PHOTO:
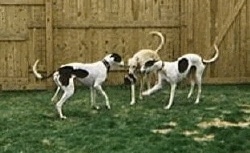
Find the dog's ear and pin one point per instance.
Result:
(150, 63)
(117, 57)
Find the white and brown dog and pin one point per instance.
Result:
(89, 74)
(174, 72)
(136, 62)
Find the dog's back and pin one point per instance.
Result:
(145, 55)
(95, 70)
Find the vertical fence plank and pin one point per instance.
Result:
(49, 38)
(248, 38)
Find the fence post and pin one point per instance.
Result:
(49, 40)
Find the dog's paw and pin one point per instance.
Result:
(167, 107)
(96, 107)
(197, 101)
(63, 117)
(132, 102)
(108, 107)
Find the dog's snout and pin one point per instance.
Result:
(143, 71)
(122, 63)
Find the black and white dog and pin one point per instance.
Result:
(90, 74)
(174, 72)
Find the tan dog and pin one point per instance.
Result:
(136, 62)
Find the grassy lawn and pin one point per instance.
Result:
(219, 124)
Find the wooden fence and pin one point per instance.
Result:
(61, 31)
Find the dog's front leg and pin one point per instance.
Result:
(132, 94)
(93, 98)
(142, 82)
(155, 88)
(99, 88)
(173, 86)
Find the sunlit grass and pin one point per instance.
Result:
(29, 122)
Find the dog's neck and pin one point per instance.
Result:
(160, 65)
(107, 65)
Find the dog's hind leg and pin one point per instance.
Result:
(57, 82)
(192, 75)
(199, 90)
(199, 81)
(192, 84)
(132, 94)
(68, 92)
(54, 98)
(99, 88)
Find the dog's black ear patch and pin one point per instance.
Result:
(150, 63)
(182, 65)
(117, 57)
(80, 73)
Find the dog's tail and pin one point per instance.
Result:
(214, 58)
(162, 39)
(37, 74)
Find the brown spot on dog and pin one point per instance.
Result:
(182, 65)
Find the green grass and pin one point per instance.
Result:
(29, 122)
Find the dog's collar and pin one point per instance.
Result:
(162, 66)
(107, 65)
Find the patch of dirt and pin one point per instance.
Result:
(244, 105)
(219, 123)
(204, 138)
(169, 127)
(247, 111)
(211, 108)
(245, 108)
(190, 133)
(194, 135)
(162, 131)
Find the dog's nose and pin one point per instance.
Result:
(143, 71)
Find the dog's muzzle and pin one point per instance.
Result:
(129, 79)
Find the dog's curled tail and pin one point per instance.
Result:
(214, 58)
(37, 74)
(162, 39)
